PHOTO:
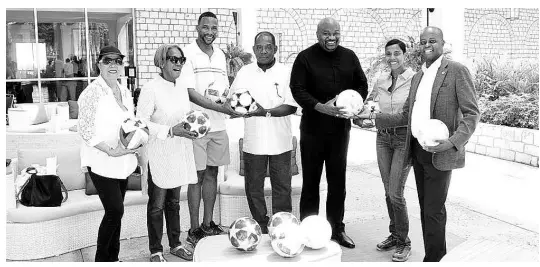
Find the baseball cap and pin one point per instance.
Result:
(109, 50)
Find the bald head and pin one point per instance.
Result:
(324, 23)
(433, 30)
(431, 44)
(328, 34)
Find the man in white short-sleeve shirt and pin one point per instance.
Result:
(205, 76)
(267, 131)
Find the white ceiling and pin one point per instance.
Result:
(65, 15)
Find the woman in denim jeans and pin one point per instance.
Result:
(163, 103)
(390, 92)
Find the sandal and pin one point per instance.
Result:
(157, 257)
(182, 252)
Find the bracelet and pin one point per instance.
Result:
(171, 132)
(371, 115)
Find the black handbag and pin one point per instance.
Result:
(43, 191)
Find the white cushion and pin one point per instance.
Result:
(68, 159)
(29, 115)
(78, 202)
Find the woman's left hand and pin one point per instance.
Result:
(120, 150)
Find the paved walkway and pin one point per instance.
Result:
(490, 199)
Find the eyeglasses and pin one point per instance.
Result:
(268, 48)
(176, 60)
(108, 61)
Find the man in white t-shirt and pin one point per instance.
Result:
(205, 75)
(267, 131)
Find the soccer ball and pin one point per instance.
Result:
(431, 130)
(351, 100)
(133, 133)
(197, 122)
(279, 218)
(243, 102)
(245, 234)
(317, 231)
(288, 241)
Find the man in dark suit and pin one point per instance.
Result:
(442, 90)
(319, 74)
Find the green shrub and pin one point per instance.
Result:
(507, 92)
(499, 77)
(512, 110)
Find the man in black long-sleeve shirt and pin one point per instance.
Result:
(319, 74)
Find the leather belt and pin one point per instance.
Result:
(394, 131)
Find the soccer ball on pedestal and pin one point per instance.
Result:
(197, 122)
(243, 102)
(288, 240)
(133, 133)
(279, 218)
(317, 231)
(245, 234)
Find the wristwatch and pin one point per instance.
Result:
(268, 114)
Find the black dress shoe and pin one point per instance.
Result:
(343, 239)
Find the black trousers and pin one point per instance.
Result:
(111, 193)
(280, 179)
(331, 150)
(432, 186)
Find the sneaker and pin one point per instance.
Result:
(216, 228)
(157, 257)
(389, 243)
(212, 229)
(194, 236)
(402, 253)
(182, 252)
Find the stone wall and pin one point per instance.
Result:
(364, 30)
(501, 32)
(509, 143)
(157, 26)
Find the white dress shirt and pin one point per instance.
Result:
(163, 104)
(422, 103)
(208, 76)
(100, 118)
(262, 135)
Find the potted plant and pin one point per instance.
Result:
(236, 58)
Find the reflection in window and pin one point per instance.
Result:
(20, 37)
(58, 63)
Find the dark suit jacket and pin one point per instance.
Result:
(453, 101)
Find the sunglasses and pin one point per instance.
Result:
(176, 60)
(108, 61)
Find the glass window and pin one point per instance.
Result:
(58, 63)
(110, 27)
(21, 49)
(63, 34)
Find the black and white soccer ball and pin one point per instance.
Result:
(245, 234)
(243, 102)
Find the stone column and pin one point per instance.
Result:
(452, 22)
(247, 27)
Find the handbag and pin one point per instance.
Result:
(43, 191)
